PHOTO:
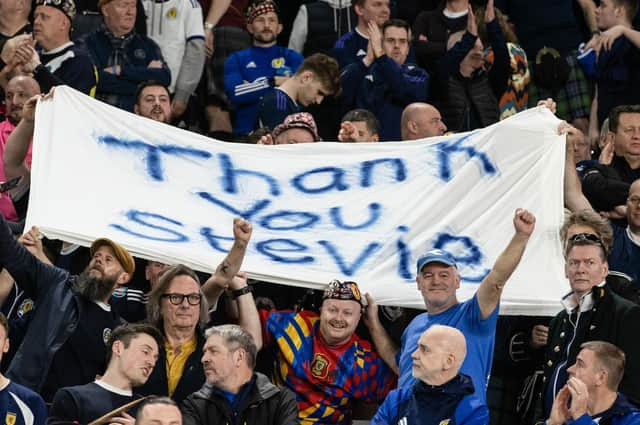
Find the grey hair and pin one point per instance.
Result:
(154, 309)
(236, 337)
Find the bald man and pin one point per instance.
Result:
(19, 90)
(420, 120)
(441, 394)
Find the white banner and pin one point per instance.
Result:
(362, 212)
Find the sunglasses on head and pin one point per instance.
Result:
(581, 237)
(586, 237)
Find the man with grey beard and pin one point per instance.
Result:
(65, 343)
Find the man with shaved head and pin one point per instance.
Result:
(18, 91)
(441, 392)
(420, 120)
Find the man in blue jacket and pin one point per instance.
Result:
(383, 82)
(591, 394)
(442, 394)
(123, 58)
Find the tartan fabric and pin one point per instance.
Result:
(260, 8)
(573, 101)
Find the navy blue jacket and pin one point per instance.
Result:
(136, 52)
(385, 88)
(453, 403)
(625, 255)
(617, 77)
(68, 65)
(621, 413)
(552, 23)
(607, 186)
(274, 107)
(349, 48)
(55, 319)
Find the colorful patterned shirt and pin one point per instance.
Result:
(324, 378)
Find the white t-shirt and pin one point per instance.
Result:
(171, 24)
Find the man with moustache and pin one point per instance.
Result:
(66, 342)
(249, 73)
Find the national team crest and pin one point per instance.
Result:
(25, 307)
(277, 63)
(106, 334)
(320, 366)
(10, 419)
(172, 13)
(120, 292)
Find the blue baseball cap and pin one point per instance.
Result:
(436, 256)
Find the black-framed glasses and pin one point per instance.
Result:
(177, 299)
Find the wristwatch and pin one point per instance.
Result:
(236, 293)
(208, 26)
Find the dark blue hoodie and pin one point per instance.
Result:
(425, 404)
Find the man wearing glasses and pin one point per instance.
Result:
(591, 312)
(179, 307)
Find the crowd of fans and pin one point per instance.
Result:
(93, 335)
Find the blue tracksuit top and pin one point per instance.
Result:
(453, 402)
(247, 75)
(349, 48)
(385, 88)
